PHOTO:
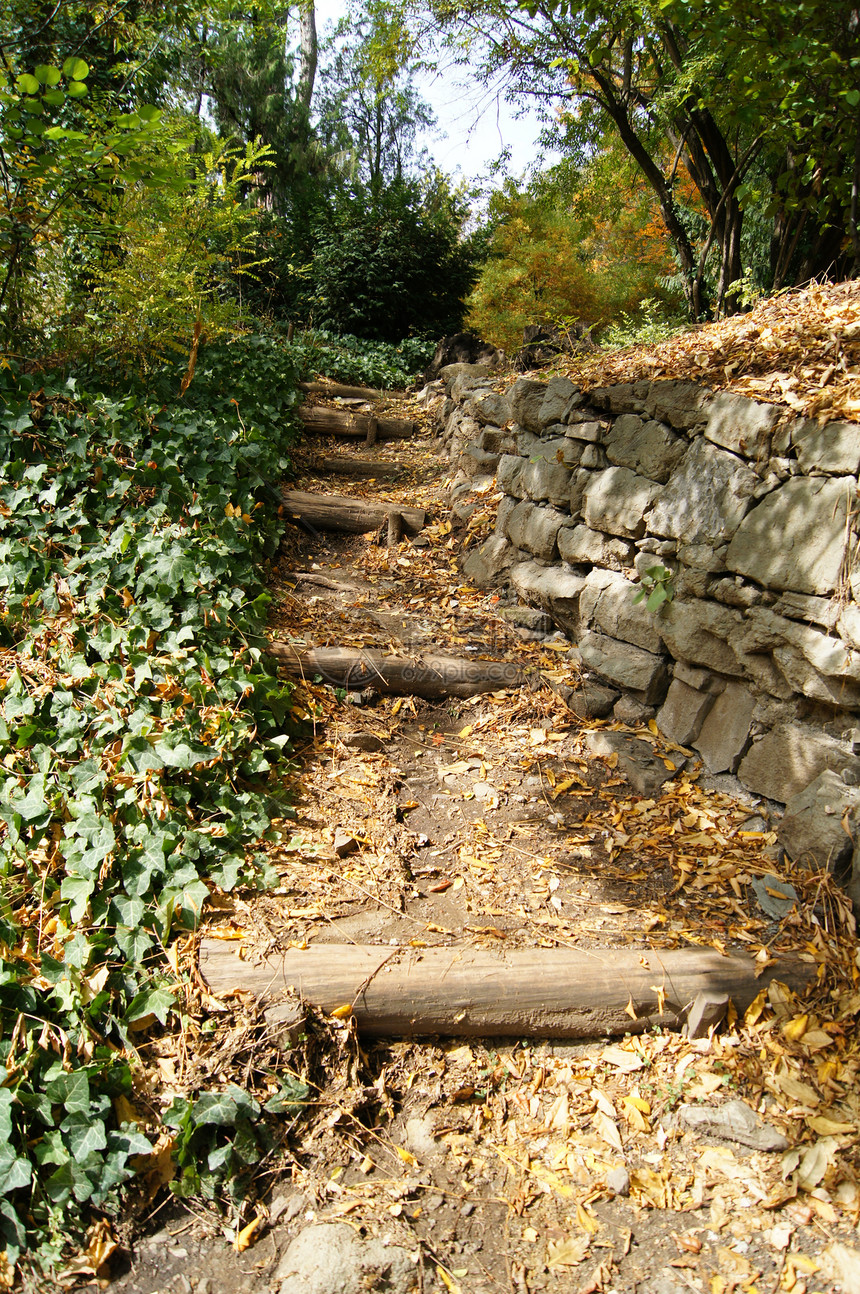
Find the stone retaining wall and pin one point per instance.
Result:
(754, 662)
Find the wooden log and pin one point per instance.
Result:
(338, 391)
(352, 516)
(469, 992)
(430, 676)
(357, 468)
(320, 419)
(372, 432)
(395, 529)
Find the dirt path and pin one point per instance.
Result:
(515, 1165)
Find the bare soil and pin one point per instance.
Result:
(516, 1165)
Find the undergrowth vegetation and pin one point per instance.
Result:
(141, 736)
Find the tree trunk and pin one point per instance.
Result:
(430, 676)
(348, 516)
(308, 55)
(468, 992)
(321, 420)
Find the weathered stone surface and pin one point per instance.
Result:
(833, 449)
(788, 758)
(594, 458)
(331, 1258)
(489, 407)
(509, 475)
(647, 448)
(681, 404)
(796, 538)
(475, 460)
(682, 714)
(707, 496)
(560, 395)
(735, 593)
(698, 632)
(544, 479)
(700, 679)
(624, 665)
(497, 441)
(725, 733)
(451, 372)
(579, 544)
(484, 565)
(632, 712)
(811, 830)
(525, 398)
(848, 623)
(579, 483)
(503, 515)
(744, 426)
(591, 431)
(616, 613)
(592, 700)
(535, 529)
(618, 501)
(644, 770)
(626, 397)
(814, 663)
(554, 589)
(703, 557)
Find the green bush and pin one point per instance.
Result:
(141, 730)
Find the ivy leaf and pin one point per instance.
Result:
(83, 1134)
(15, 1171)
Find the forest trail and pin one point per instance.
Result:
(502, 824)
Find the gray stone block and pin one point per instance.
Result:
(525, 398)
(632, 712)
(788, 758)
(682, 714)
(504, 513)
(509, 475)
(560, 394)
(744, 426)
(594, 458)
(618, 615)
(698, 632)
(645, 771)
(592, 700)
(706, 498)
(579, 482)
(625, 666)
(625, 397)
(681, 404)
(734, 593)
(797, 537)
(591, 431)
(579, 544)
(618, 501)
(332, 1258)
(700, 679)
(819, 666)
(475, 460)
(647, 448)
(811, 830)
(535, 529)
(554, 589)
(725, 733)
(703, 557)
(489, 407)
(542, 479)
(484, 565)
(833, 449)
(497, 441)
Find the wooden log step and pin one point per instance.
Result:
(430, 676)
(338, 391)
(351, 516)
(320, 419)
(469, 992)
(356, 468)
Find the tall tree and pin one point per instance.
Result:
(756, 102)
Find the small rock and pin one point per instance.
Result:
(344, 843)
(618, 1180)
(706, 1013)
(735, 1121)
(775, 896)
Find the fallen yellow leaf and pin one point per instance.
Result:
(245, 1237)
